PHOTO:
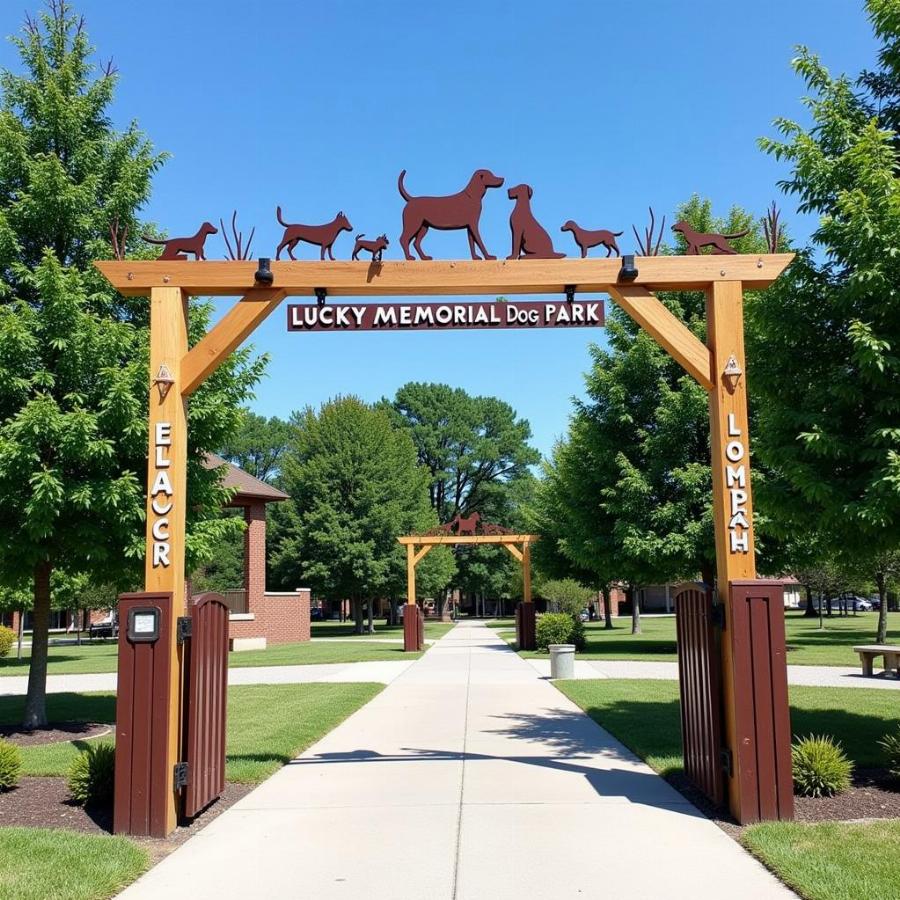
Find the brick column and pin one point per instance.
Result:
(255, 560)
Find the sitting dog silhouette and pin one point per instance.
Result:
(323, 236)
(529, 237)
(587, 239)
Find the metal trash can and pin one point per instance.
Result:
(562, 660)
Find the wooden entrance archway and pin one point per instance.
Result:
(419, 545)
(177, 370)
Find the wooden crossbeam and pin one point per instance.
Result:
(666, 329)
(343, 278)
(437, 539)
(227, 335)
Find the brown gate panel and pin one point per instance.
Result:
(700, 686)
(206, 664)
(762, 716)
(413, 628)
(143, 783)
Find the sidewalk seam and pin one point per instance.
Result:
(462, 780)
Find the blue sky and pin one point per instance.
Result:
(603, 108)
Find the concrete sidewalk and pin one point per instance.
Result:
(468, 777)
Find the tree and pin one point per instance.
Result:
(73, 353)
(567, 595)
(355, 488)
(831, 330)
(468, 444)
(258, 445)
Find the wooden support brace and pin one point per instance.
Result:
(667, 330)
(516, 552)
(421, 554)
(226, 336)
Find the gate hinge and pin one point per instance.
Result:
(717, 615)
(185, 630)
(727, 762)
(182, 771)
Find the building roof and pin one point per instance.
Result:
(248, 488)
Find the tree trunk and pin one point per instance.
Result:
(810, 611)
(357, 615)
(635, 611)
(881, 637)
(371, 623)
(36, 699)
(821, 611)
(21, 632)
(607, 607)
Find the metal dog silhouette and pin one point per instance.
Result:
(529, 238)
(179, 247)
(323, 236)
(696, 240)
(587, 239)
(451, 213)
(467, 525)
(375, 247)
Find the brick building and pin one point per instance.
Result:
(260, 617)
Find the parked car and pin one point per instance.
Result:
(584, 615)
(316, 614)
(106, 628)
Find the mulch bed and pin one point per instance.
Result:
(873, 795)
(44, 803)
(61, 731)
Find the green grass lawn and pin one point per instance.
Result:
(37, 863)
(644, 715)
(831, 860)
(807, 645)
(267, 725)
(334, 629)
(103, 657)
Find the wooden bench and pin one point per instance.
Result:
(868, 652)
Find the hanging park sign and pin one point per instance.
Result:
(442, 316)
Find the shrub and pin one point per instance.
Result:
(820, 767)
(890, 743)
(559, 628)
(7, 639)
(570, 596)
(91, 775)
(10, 765)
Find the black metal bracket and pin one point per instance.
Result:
(717, 615)
(727, 762)
(180, 775)
(184, 629)
(321, 294)
(628, 271)
(570, 293)
(264, 274)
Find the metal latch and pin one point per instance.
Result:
(181, 774)
(727, 762)
(184, 629)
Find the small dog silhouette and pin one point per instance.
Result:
(587, 239)
(178, 248)
(529, 237)
(323, 236)
(375, 247)
(698, 239)
(451, 213)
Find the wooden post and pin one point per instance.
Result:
(732, 499)
(411, 613)
(526, 572)
(167, 500)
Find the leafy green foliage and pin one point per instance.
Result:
(10, 765)
(568, 595)
(73, 353)
(830, 329)
(558, 628)
(355, 488)
(7, 639)
(820, 767)
(890, 743)
(92, 775)
(258, 445)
